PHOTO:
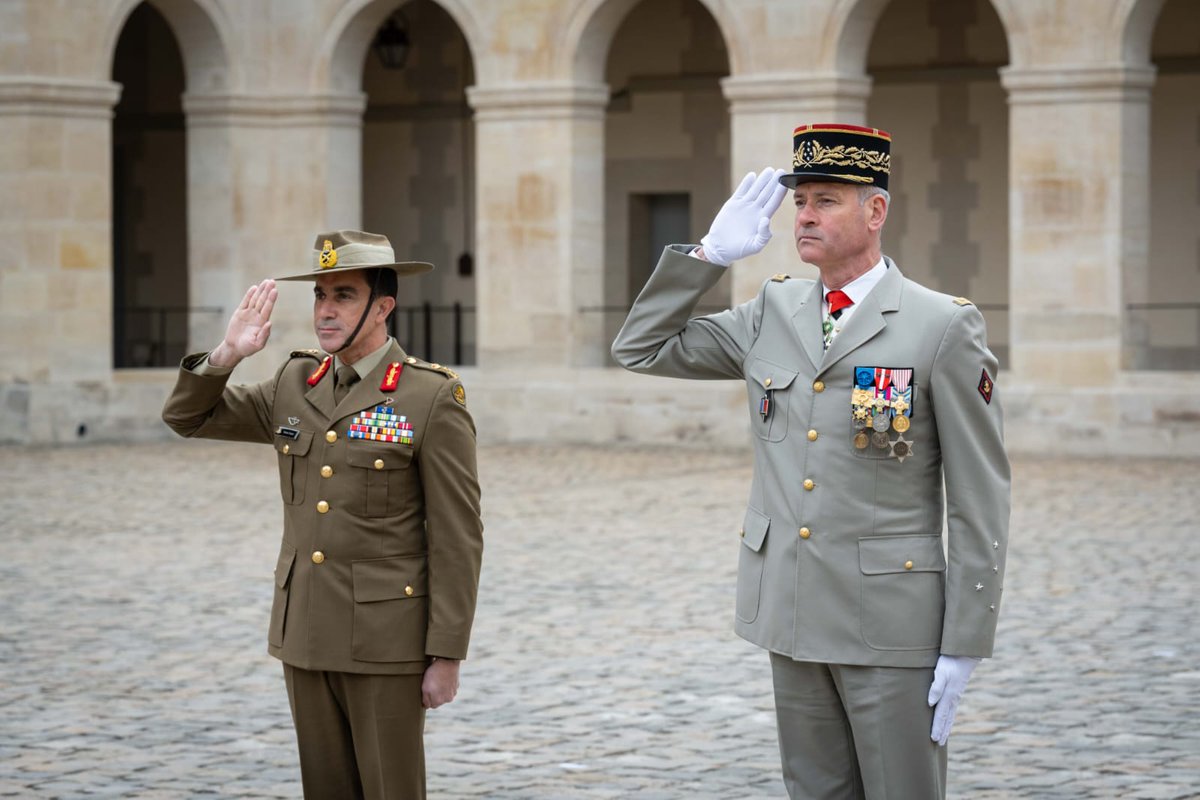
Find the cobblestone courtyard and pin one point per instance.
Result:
(135, 587)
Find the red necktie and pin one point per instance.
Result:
(837, 300)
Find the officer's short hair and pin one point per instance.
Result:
(866, 192)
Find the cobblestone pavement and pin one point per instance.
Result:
(135, 588)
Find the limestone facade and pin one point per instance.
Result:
(159, 156)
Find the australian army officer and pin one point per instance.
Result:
(377, 574)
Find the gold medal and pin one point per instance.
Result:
(900, 423)
(861, 440)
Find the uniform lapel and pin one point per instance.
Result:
(867, 319)
(807, 322)
(366, 393)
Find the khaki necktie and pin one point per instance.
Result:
(344, 378)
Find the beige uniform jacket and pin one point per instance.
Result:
(382, 541)
(841, 556)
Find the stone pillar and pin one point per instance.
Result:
(266, 173)
(1079, 182)
(56, 258)
(540, 208)
(764, 110)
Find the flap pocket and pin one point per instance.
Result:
(389, 578)
(768, 375)
(754, 529)
(286, 445)
(881, 555)
(283, 567)
(378, 455)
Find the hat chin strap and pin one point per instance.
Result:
(370, 301)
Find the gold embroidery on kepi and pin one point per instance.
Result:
(328, 255)
(841, 154)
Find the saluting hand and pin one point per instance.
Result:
(249, 327)
(440, 684)
(743, 225)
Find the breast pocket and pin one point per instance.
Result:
(769, 389)
(293, 464)
(391, 608)
(903, 591)
(382, 468)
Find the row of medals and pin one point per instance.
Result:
(871, 411)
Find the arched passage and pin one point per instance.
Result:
(149, 226)
(418, 177)
(666, 150)
(1167, 319)
(935, 69)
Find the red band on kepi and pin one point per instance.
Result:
(985, 387)
(315, 378)
(392, 378)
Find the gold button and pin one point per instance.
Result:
(318, 556)
(379, 463)
(326, 471)
(908, 565)
(808, 484)
(767, 382)
(818, 386)
(287, 448)
(331, 436)
(805, 533)
(812, 436)
(322, 506)
(408, 590)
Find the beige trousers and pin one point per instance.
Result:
(856, 733)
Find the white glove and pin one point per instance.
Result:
(743, 225)
(949, 682)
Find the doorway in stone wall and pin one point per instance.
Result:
(149, 203)
(418, 174)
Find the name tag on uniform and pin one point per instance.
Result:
(289, 433)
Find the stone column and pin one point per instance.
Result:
(265, 174)
(1079, 181)
(540, 208)
(764, 110)
(56, 258)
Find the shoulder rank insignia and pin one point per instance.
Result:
(460, 394)
(962, 301)
(416, 362)
(315, 378)
(780, 277)
(391, 378)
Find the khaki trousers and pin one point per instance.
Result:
(360, 737)
(856, 733)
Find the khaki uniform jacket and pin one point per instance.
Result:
(382, 541)
(841, 556)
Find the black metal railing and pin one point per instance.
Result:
(441, 334)
(153, 336)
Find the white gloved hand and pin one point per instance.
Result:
(743, 225)
(949, 682)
